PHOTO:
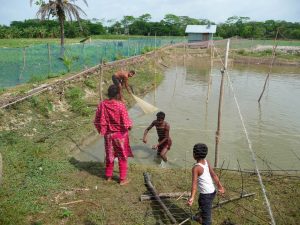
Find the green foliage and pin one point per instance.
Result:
(90, 83)
(75, 99)
(119, 56)
(171, 25)
(42, 105)
(147, 49)
(69, 59)
(241, 51)
(2, 90)
(36, 79)
(267, 51)
(74, 93)
(66, 213)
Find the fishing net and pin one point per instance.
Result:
(38, 62)
(145, 106)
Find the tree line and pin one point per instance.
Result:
(170, 25)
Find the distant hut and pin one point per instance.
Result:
(198, 33)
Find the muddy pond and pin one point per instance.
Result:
(273, 126)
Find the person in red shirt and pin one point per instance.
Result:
(112, 121)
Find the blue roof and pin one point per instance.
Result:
(201, 29)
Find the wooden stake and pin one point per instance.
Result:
(101, 80)
(155, 56)
(0, 169)
(49, 59)
(270, 67)
(211, 66)
(220, 106)
(165, 195)
(24, 63)
(233, 199)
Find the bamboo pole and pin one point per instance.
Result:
(176, 72)
(155, 56)
(270, 67)
(49, 58)
(211, 66)
(233, 199)
(0, 169)
(24, 63)
(220, 106)
(157, 198)
(101, 80)
(166, 195)
(83, 55)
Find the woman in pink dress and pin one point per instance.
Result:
(112, 121)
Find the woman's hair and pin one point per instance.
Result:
(200, 151)
(112, 91)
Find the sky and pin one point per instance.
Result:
(214, 10)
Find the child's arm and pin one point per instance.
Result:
(146, 132)
(196, 172)
(216, 179)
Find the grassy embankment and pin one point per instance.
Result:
(257, 49)
(36, 139)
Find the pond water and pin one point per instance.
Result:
(273, 126)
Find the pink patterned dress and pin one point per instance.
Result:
(112, 121)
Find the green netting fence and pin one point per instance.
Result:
(38, 62)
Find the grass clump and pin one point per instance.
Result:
(43, 105)
(147, 49)
(90, 84)
(36, 79)
(75, 99)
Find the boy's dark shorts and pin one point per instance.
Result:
(205, 204)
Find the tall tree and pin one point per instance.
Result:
(61, 9)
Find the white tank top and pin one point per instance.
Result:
(205, 182)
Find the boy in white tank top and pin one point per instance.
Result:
(203, 177)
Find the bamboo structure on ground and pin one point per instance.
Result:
(157, 198)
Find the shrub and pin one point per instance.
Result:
(147, 49)
(90, 83)
(75, 99)
(43, 105)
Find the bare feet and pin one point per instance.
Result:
(108, 179)
(124, 182)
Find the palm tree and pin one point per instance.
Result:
(60, 9)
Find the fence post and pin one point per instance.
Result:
(24, 63)
(101, 78)
(220, 106)
(49, 59)
(82, 55)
